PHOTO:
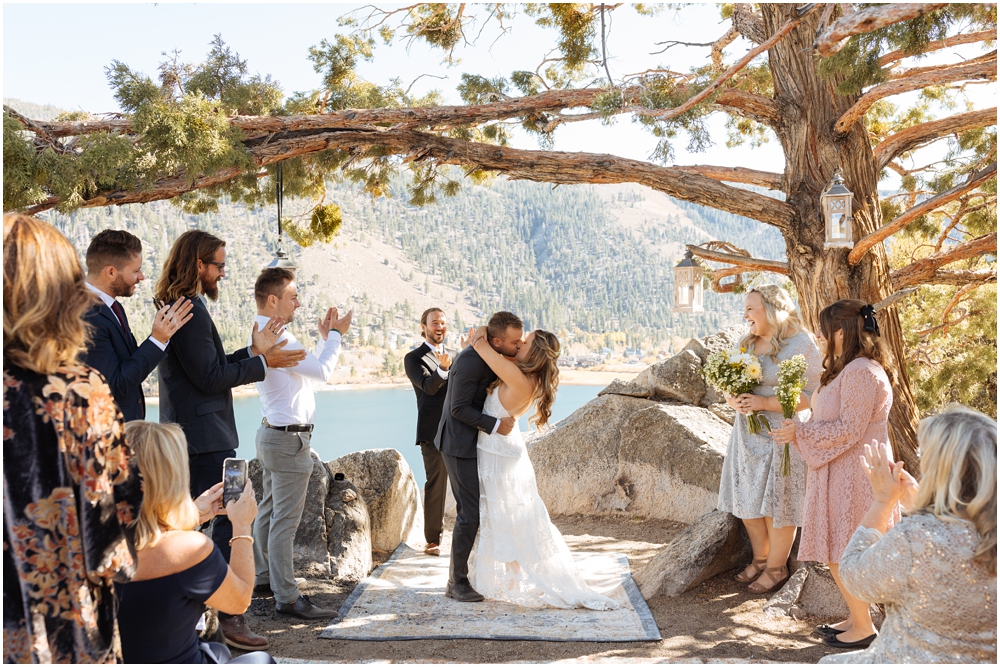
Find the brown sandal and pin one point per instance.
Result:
(755, 587)
(758, 565)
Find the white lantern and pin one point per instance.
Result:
(688, 290)
(837, 202)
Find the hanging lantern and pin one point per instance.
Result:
(837, 202)
(688, 287)
(281, 259)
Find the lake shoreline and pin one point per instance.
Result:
(567, 376)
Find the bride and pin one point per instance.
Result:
(519, 556)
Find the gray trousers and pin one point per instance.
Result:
(287, 462)
(435, 490)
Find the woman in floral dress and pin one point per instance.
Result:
(69, 495)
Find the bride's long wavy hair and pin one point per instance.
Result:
(543, 370)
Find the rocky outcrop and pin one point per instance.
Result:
(713, 544)
(812, 591)
(386, 482)
(652, 447)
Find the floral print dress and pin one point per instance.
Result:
(69, 501)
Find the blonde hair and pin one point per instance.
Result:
(958, 459)
(782, 317)
(44, 297)
(161, 452)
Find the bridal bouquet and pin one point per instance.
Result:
(736, 372)
(791, 382)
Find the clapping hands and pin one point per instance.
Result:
(333, 321)
(888, 479)
(264, 342)
(169, 319)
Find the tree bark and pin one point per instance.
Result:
(813, 151)
(870, 19)
(919, 135)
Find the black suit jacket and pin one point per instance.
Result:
(462, 416)
(196, 381)
(122, 363)
(421, 366)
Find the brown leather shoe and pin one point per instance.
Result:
(432, 549)
(238, 634)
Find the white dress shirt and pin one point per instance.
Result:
(438, 350)
(286, 394)
(108, 300)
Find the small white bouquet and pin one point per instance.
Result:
(791, 383)
(736, 372)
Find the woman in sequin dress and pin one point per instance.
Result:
(752, 487)
(936, 570)
(850, 408)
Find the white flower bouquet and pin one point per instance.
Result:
(736, 372)
(791, 383)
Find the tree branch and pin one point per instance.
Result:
(976, 70)
(926, 271)
(747, 263)
(725, 76)
(766, 179)
(926, 206)
(749, 24)
(515, 164)
(937, 45)
(895, 75)
(919, 135)
(867, 20)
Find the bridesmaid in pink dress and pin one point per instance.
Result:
(849, 410)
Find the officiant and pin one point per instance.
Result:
(427, 368)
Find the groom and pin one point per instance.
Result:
(462, 419)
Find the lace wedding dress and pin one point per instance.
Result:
(519, 556)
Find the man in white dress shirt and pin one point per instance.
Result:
(283, 443)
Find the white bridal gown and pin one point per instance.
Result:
(519, 556)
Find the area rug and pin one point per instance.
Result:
(404, 599)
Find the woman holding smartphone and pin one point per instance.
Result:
(180, 570)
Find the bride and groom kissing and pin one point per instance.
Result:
(503, 545)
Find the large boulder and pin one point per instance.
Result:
(812, 591)
(348, 531)
(670, 461)
(576, 462)
(675, 379)
(386, 482)
(715, 543)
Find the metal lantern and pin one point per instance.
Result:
(837, 202)
(688, 290)
(281, 259)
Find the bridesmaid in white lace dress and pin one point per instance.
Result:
(519, 556)
(752, 487)
(850, 409)
(936, 570)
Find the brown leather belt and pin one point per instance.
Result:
(291, 428)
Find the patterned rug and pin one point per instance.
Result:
(404, 599)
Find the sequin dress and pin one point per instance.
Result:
(752, 486)
(940, 606)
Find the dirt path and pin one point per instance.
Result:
(719, 620)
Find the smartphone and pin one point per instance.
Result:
(234, 478)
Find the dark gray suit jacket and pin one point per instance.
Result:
(123, 364)
(421, 366)
(462, 416)
(196, 381)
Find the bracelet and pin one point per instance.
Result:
(240, 537)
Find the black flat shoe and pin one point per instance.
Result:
(833, 642)
(827, 630)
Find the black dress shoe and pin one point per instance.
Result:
(833, 642)
(263, 591)
(304, 609)
(462, 591)
(827, 630)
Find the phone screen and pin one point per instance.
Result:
(234, 478)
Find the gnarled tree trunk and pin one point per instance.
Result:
(809, 108)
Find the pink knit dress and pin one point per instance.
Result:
(848, 413)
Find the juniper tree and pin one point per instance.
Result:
(818, 79)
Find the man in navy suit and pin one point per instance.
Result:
(114, 269)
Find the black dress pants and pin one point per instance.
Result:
(435, 490)
(206, 472)
(463, 474)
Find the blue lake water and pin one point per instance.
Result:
(382, 417)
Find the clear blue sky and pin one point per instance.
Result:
(56, 54)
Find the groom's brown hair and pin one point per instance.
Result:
(498, 324)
